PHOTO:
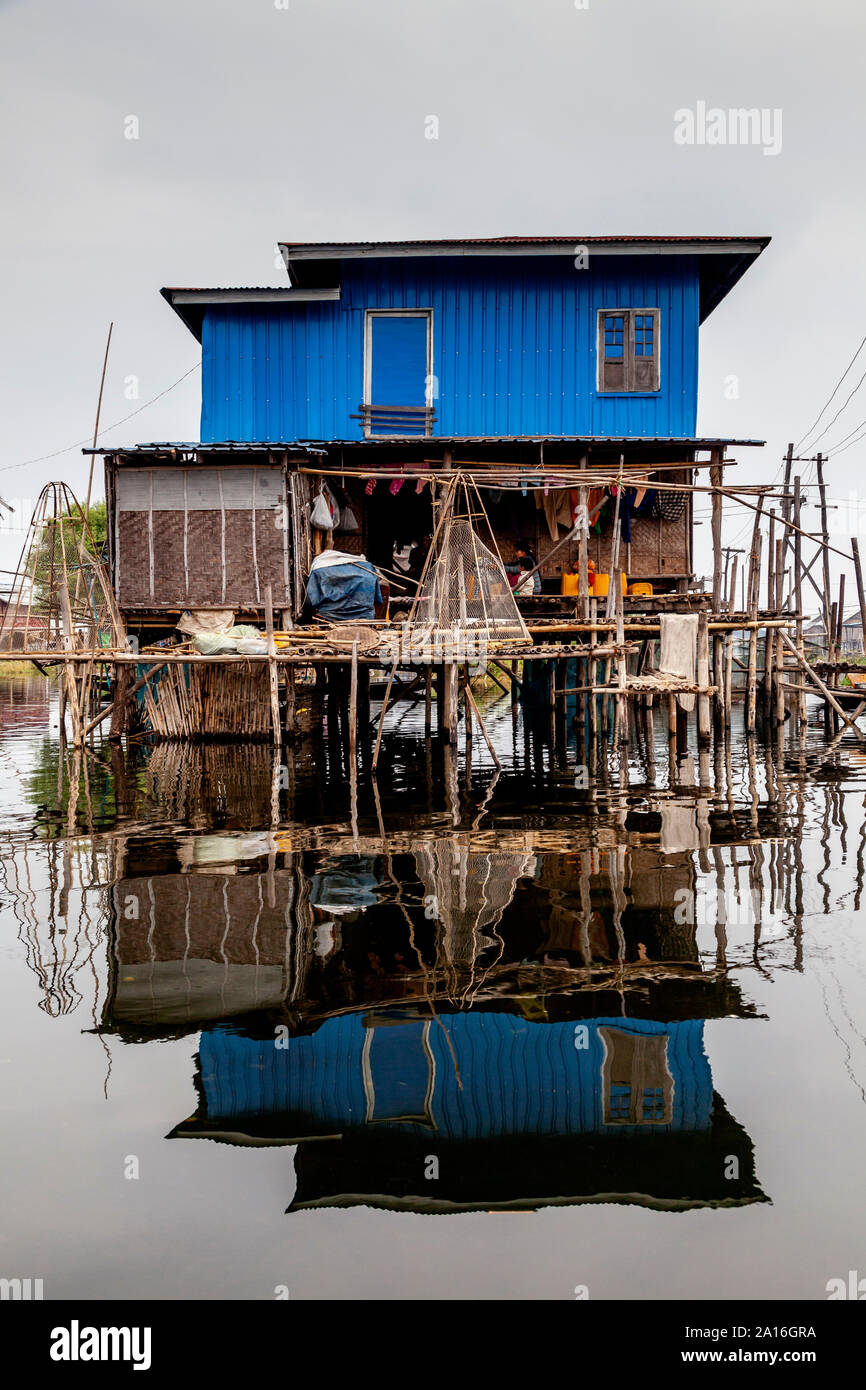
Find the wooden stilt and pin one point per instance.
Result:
(777, 648)
(729, 653)
(798, 600)
(754, 580)
(448, 703)
(861, 595)
(825, 556)
(428, 700)
(716, 484)
(621, 702)
(273, 677)
(769, 641)
(703, 677)
(471, 703)
(847, 720)
(353, 715)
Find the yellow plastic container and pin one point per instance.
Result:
(645, 589)
(601, 587)
(570, 584)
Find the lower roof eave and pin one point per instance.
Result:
(624, 441)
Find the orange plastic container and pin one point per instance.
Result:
(644, 589)
(570, 584)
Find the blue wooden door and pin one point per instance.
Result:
(397, 377)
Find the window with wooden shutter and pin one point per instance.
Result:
(628, 350)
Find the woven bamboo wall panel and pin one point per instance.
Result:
(657, 548)
(228, 559)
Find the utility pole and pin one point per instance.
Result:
(728, 551)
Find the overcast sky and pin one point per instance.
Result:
(259, 123)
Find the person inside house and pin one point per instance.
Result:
(342, 588)
(418, 558)
(526, 580)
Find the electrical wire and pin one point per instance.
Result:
(817, 421)
(841, 450)
(5, 468)
(838, 413)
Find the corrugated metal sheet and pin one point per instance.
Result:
(514, 351)
(227, 446)
(707, 241)
(518, 1077)
(199, 489)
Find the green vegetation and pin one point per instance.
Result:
(46, 565)
(72, 528)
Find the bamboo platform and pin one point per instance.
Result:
(307, 674)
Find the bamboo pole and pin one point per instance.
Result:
(825, 557)
(273, 678)
(769, 643)
(582, 554)
(828, 694)
(353, 724)
(470, 699)
(716, 476)
(802, 714)
(729, 651)
(593, 668)
(752, 667)
(428, 701)
(754, 580)
(861, 596)
(777, 649)
(621, 704)
(840, 621)
(703, 678)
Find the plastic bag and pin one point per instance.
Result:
(325, 515)
(321, 516)
(348, 521)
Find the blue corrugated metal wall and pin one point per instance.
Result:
(514, 350)
(518, 1077)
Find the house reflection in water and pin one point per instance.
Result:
(462, 1022)
(514, 1113)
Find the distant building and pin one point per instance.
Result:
(852, 634)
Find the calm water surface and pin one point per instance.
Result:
(484, 1035)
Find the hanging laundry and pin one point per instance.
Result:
(678, 634)
(556, 505)
(594, 503)
(626, 505)
(669, 506)
(370, 486)
(396, 485)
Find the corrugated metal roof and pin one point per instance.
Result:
(723, 258)
(190, 303)
(229, 446)
(618, 440)
(318, 246)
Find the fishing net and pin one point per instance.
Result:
(61, 597)
(466, 589)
